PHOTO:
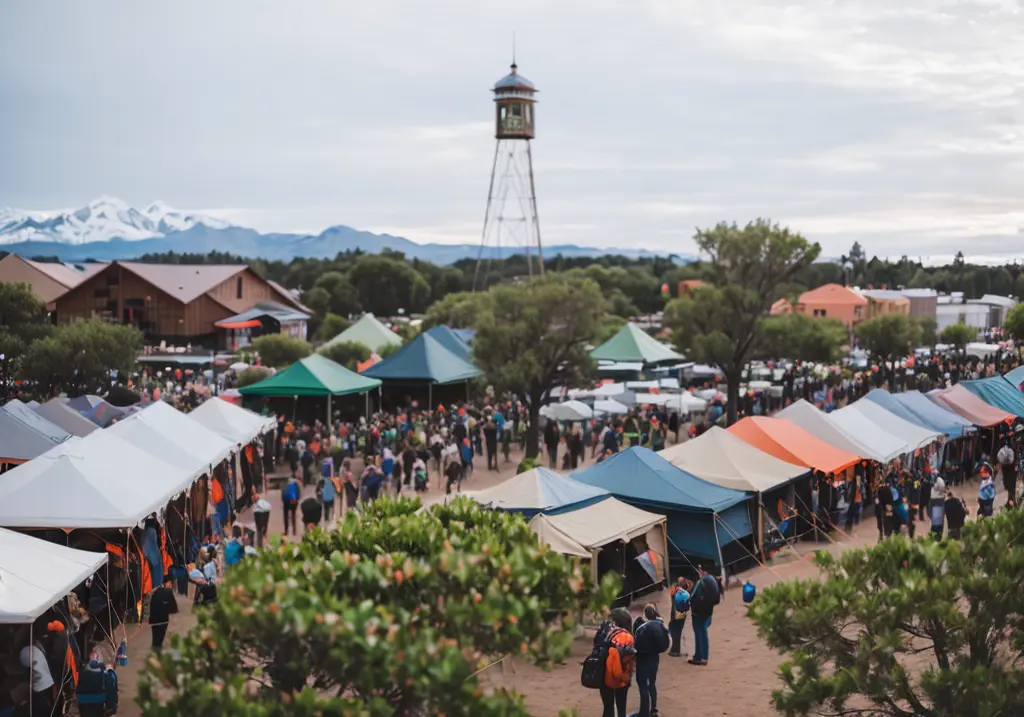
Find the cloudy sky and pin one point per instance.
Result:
(898, 124)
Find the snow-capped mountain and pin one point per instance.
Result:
(102, 219)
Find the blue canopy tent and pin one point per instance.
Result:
(1016, 376)
(953, 428)
(999, 392)
(450, 340)
(702, 517)
(933, 416)
(539, 491)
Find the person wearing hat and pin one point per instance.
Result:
(162, 604)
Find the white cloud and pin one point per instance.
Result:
(895, 124)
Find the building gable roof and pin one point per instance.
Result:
(832, 294)
(184, 282)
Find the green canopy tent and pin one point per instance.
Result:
(424, 360)
(315, 375)
(634, 345)
(369, 332)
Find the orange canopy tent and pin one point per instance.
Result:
(788, 442)
(964, 403)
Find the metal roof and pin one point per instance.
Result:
(514, 80)
(266, 308)
(184, 282)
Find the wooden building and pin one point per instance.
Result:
(47, 279)
(176, 303)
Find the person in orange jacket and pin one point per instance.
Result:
(619, 666)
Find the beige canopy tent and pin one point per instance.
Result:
(719, 457)
(584, 532)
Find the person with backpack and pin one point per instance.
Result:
(706, 594)
(680, 598)
(650, 639)
(1008, 464)
(97, 691)
(609, 667)
(290, 502)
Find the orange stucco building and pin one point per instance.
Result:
(831, 301)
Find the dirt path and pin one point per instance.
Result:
(737, 682)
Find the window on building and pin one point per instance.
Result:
(238, 288)
(820, 312)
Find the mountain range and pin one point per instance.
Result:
(108, 228)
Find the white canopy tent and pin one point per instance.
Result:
(650, 399)
(824, 426)
(35, 575)
(232, 422)
(719, 457)
(609, 405)
(174, 438)
(912, 435)
(567, 411)
(537, 490)
(100, 481)
(685, 403)
(610, 389)
(584, 532)
(874, 441)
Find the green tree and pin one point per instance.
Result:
(22, 320)
(82, 357)
(347, 353)
(279, 350)
(459, 311)
(920, 628)
(1014, 322)
(798, 336)
(387, 283)
(319, 300)
(929, 327)
(533, 337)
(345, 299)
(330, 326)
(721, 323)
(394, 613)
(388, 350)
(958, 335)
(251, 375)
(889, 337)
(921, 280)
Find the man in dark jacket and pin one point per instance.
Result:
(162, 605)
(956, 515)
(706, 594)
(651, 639)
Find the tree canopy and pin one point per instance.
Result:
(958, 335)
(889, 337)
(22, 320)
(81, 357)
(347, 353)
(722, 322)
(907, 628)
(798, 336)
(1014, 323)
(534, 336)
(395, 612)
(279, 350)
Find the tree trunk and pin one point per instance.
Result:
(732, 379)
(533, 430)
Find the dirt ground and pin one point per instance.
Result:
(737, 682)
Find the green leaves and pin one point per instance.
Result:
(889, 336)
(279, 350)
(394, 612)
(919, 627)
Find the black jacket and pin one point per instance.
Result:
(705, 596)
(651, 638)
(162, 605)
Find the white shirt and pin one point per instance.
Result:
(210, 573)
(41, 677)
(939, 488)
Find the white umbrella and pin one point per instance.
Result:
(610, 406)
(239, 366)
(652, 399)
(686, 403)
(568, 411)
(759, 385)
(610, 389)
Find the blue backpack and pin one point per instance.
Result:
(291, 492)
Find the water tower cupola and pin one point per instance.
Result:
(514, 104)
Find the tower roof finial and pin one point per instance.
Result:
(514, 66)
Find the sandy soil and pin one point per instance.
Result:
(737, 682)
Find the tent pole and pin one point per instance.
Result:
(430, 395)
(718, 545)
(664, 554)
(31, 668)
(593, 564)
(760, 526)
(328, 412)
(367, 413)
(295, 408)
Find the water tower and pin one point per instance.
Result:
(511, 225)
